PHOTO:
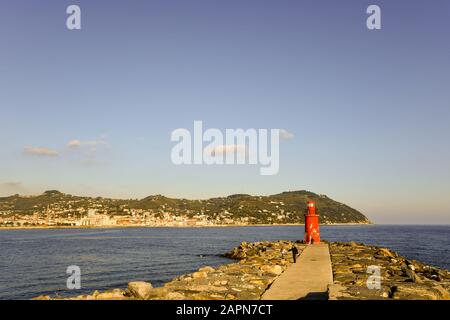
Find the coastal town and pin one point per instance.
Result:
(57, 209)
(99, 218)
(99, 215)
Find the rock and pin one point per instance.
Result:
(272, 269)
(258, 282)
(445, 294)
(230, 296)
(248, 286)
(410, 291)
(411, 274)
(385, 252)
(199, 274)
(208, 296)
(207, 288)
(206, 269)
(81, 297)
(220, 282)
(42, 297)
(139, 289)
(175, 296)
(433, 274)
(246, 295)
(337, 292)
(115, 294)
(157, 293)
(342, 269)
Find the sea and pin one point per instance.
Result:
(34, 262)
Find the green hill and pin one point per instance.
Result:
(286, 207)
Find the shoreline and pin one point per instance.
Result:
(182, 227)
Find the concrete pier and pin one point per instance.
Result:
(308, 278)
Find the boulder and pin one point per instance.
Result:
(412, 291)
(42, 297)
(337, 292)
(411, 274)
(272, 269)
(207, 288)
(386, 253)
(139, 289)
(115, 294)
(175, 296)
(206, 269)
(220, 282)
(157, 293)
(199, 274)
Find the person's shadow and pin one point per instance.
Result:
(315, 296)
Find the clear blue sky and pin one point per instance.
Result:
(370, 110)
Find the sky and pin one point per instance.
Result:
(90, 111)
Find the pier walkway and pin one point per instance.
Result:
(308, 278)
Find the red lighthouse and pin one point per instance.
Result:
(312, 232)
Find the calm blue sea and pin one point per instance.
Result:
(34, 262)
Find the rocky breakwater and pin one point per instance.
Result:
(259, 264)
(400, 278)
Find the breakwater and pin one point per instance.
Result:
(259, 264)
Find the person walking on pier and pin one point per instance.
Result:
(294, 253)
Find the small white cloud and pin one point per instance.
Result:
(74, 144)
(286, 135)
(93, 143)
(41, 151)
(89, 151)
